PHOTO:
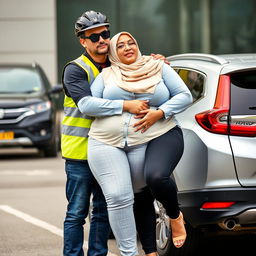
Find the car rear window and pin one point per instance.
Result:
(19, 80)
(243, 93)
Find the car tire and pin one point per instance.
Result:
(52, 149)
(164, 242)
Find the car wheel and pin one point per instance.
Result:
(53, 149)
(164, 242)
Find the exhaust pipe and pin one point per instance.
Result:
(229, 224)
(242, 222)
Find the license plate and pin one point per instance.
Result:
(6, 135)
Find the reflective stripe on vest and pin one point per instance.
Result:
(75, 125)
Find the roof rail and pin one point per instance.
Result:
(199, 56)
(34, 64)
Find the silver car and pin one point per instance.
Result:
(216, 177)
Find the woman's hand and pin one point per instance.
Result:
(135, 106)
(150, 117)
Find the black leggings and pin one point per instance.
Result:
(162, 156)
(145, 218)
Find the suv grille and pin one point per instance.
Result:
(13, 116)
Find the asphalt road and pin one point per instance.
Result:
(33, 204)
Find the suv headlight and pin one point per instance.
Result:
(40, 107)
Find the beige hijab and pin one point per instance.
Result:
(142, 76)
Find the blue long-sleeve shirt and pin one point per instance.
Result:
(115, 127)
(171, 95)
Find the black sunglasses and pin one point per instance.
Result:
(96, 37)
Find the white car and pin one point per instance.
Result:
(216, 177)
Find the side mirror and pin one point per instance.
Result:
(56, 89)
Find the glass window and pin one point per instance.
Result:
(19, 80)
(233, 26)
(194, 82)
(243, 93)
(164, 26)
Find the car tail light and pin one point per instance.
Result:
(218, 120)
(216, 205)
(243, 126)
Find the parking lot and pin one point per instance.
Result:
(32, 204)
(32, 209)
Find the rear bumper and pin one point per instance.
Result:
(243, 211)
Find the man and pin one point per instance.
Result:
(78, 75)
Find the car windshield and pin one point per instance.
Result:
(16, 80)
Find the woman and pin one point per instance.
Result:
(116, 152)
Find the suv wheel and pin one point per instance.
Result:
(164, 242)
(52, 149)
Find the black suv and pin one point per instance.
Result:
(28, 109)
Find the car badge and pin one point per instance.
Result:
(1, 113)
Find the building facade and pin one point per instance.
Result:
(167, 26)
(44, 30)
(28, 33)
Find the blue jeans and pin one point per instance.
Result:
(79, 187)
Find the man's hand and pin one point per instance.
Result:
(150, 117)
(160, 57)
(135, 106)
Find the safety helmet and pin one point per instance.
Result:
(89, 20)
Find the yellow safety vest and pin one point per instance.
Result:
(75, 125)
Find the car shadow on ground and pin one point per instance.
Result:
(19, 153)
(228, 245)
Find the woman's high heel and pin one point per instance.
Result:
(178, 231)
